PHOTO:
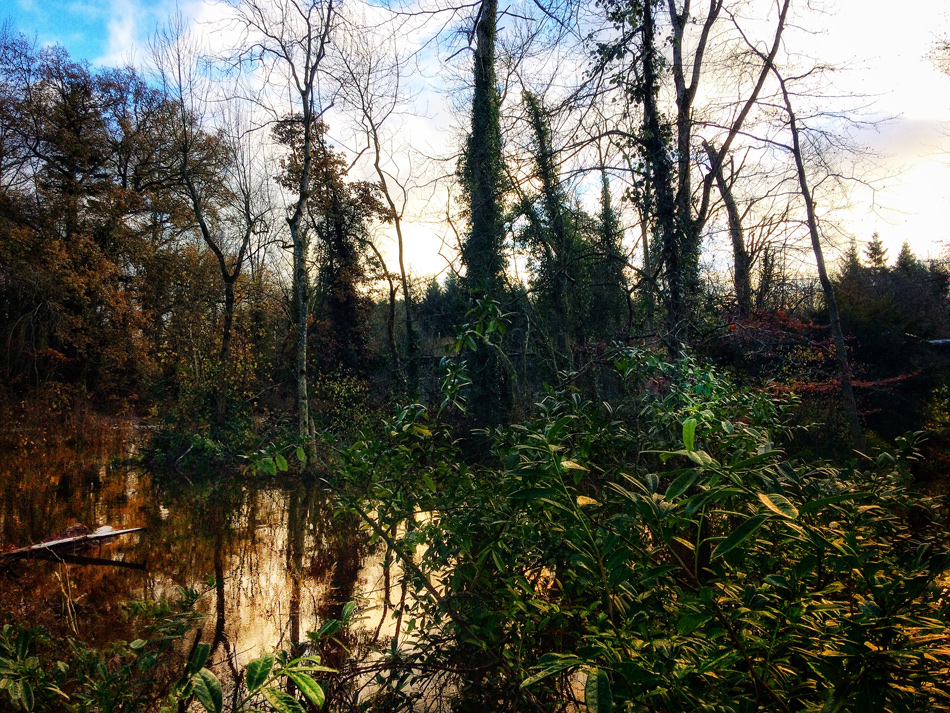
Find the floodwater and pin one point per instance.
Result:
(271, 563)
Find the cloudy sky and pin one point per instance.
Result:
(885, 56)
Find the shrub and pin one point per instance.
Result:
(666, 551)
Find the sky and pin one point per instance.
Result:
(884, 56)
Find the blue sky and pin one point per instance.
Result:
(101, 31)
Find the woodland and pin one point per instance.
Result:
(659, 436)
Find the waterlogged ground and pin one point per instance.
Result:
(272, 562)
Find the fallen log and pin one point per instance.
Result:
(67, 544)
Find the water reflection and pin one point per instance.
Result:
(273, 563)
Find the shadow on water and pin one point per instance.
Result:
(271, 561)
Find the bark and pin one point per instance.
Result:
(688, 225)
(659, 175)
(740, 256)
(482, 251)
(847, 390)
(305, 78)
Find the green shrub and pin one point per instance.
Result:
(663, 549)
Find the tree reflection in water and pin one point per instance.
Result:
(273, 562)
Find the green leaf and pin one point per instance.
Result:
(597, 696)
(26, 695)
(258, 671)
(739, 535)
(281, 463)
(310, 688)
(550, 665)
(534, 494)
(698, 501)
(348, 610)
(208, 691)
(682, 484)
(202, 651)
(652, 482)
(137, 645)
(779, 504)
(282, 702)
(830, 500)
(269, 466)
(689, 433)
(702, 458)
(328, 629)
(688, 623)
(301, 454)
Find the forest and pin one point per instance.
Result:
(434, 357)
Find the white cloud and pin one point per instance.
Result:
(123, 32)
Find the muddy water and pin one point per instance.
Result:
(271, 562)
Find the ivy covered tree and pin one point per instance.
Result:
(609, 306)
(338, 215)
(483, 182)
(560, 257)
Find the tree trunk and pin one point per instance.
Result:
(659, 175)
(482, 251)
(740, 256)
(302, 299)
(847, 391)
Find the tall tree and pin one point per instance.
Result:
(76, 193)
(561, 258)
(216, 171)
(374, 86)
(841, 351)
(289, 39)
(666, 147)
(483, 182)
(338, 216)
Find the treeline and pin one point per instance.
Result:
(163, 244)
(140, 256)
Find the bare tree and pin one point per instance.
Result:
(217, 167)
(374, 71)
(667, 149)
(847, 391)
(284, 45)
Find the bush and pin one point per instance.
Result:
(663, 550)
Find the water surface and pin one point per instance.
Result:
(271, 560)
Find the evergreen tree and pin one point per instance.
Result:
(907, 262)
(876, 253)
(609, 304)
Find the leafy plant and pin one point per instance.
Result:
(262, 679)
(664, 549)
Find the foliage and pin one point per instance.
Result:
(666, 549)
(338, 216)
(38, 673)
(887, 307)
(889, 314)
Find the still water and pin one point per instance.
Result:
(272, 562)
